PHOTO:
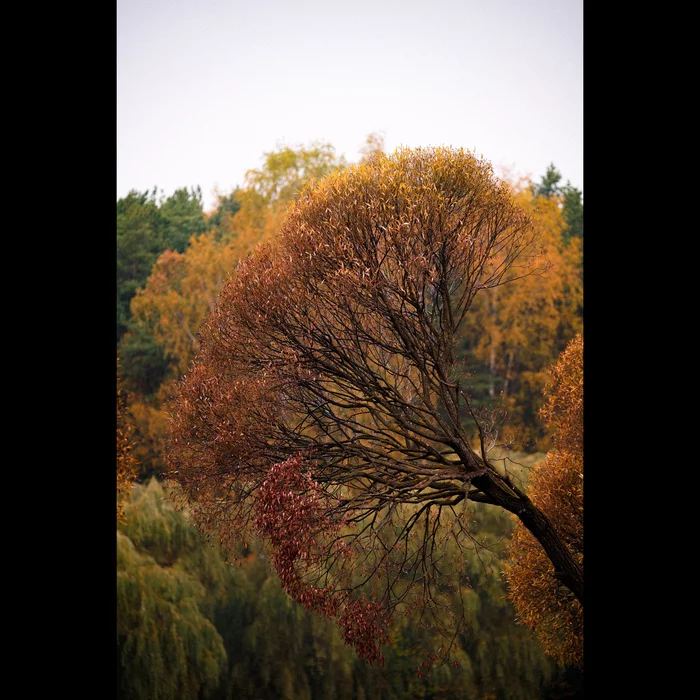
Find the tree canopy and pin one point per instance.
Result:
(324, 411)
(570, 198)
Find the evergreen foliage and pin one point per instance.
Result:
(146, 228)
(145, 360)
(226, 208)
(570, 197)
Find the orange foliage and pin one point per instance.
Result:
(182, 289)
(126, 462)
(556, 487)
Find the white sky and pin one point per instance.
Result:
(206, 87)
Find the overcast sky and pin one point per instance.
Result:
(206, 87)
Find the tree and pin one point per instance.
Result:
(171, 588)
(518, 331)
(373, 146)
(138, 246)
(145, 364)
(279, 180)
(182, 217)
(323, 411)
(573, 210)
(169, 305)
(227, 206)
(570, 199)
(167, 587)
(557, 489)
(286, 170)
(549, 184)
(182, 289)
(162, 340)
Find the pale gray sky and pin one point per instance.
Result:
(205, 87)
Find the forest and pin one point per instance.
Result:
(204, 614)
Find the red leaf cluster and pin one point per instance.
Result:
(292, 514)
(366, 626)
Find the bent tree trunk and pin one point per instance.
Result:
(500, 491)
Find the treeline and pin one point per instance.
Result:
(192, 626)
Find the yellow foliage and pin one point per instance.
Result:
(519, 329)
(182, 289)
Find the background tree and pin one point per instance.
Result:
(518, 331)
(144, 359)
(569, 198)
(227, 206)
(138, 246)
(183, 217)
(373, 146)
(269, 189)
(573, 210)
(147, 230)
(324, 410)
(167, 313)
(557, 488)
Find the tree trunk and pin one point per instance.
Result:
(566, 567)
(492, 349)
(497, 491)
(506, 381)
(492, 372)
